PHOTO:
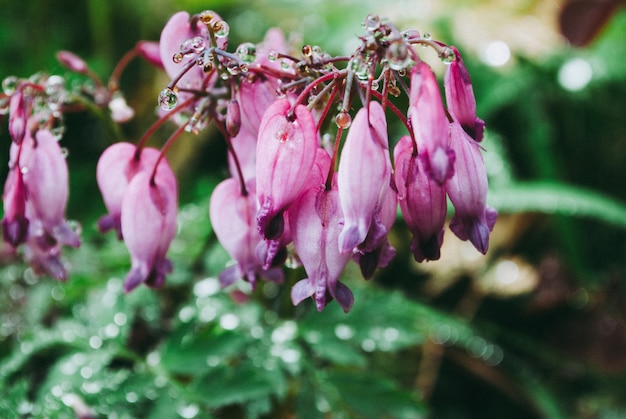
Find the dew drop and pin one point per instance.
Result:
(246, 51)
(343, 119)
(221, 29)
(177, 58)
(307, 51)
(447, 55)
(411, 34)
(168, 99)
(9, 84)
(372, 23)
(197, 44)
(375, 85)
(427, 35)
(65, 152)
(272, 56)
(206, 16)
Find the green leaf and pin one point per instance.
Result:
(372, 396)
(557, 198)
(188, 350)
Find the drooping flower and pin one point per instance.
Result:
(473, 220)
(430, 125)
(422, 202)
(316, 222)
(460, 98)
(47, 188)
(148, 225)
(286, 150)
(14, 222)
(117, 166)
(233, 217)
(364, 174)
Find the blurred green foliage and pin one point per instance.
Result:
(556, 350)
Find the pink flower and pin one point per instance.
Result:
(422, 202)
(116, 167)
(233, 219)
(14, 222)
(47, 190)
(460, 98)
(286, 150)
(430, 125)
(316, 221)
(148, 223)
(467, 189)
(364, 174)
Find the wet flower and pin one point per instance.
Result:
(117, 166)
(430, 125)
(148, 225)
(467, 189)
(316, 222)
(233, 217)
(364, 175)
(460, 98)
(422, 202)
(285, 155)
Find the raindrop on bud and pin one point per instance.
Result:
(167, 99)
(272, 56)
(206, 16)
(221, 29)
(447, 55)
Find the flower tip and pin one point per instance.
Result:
(135, 277)
(344, 296)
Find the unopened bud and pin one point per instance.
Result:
(150, 51)
(233, 118)
(72, 62)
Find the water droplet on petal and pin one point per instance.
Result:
(272, 56)
(197, 44)
(167, 99)
(177, 58)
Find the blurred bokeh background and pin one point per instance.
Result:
(534, 329)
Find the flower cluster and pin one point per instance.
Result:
(298, 189)
(36, 189)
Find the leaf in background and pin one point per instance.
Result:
(557, 198)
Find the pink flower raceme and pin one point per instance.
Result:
(316, 221)
(286, 151)
(182, 35)
(35, 198)
(148, 223)
(363, 177)
(430, 125)
(233, 219)
(422, 202)
(460, 98)
(467, 189)
(117, 166)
